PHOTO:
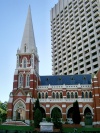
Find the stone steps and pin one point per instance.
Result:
(17, 123)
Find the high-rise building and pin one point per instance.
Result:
(75, 34)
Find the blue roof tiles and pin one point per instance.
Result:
(66, 79)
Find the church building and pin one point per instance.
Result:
(59, 91)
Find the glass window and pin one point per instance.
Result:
(25, 49)
(82, 94)
(86, 95)
(42, 95)
(57, 95)
(90, 94)
(27, 80)
(32, 60)
(20, 82)
(39, 95)
(24, 63)
(68, 95)
(76, 96)
(72, 95)
(53, 95)
(61, 95)
(17, 61)
(46, 95)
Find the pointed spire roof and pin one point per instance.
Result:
(28, 41)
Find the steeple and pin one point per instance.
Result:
(28, 41)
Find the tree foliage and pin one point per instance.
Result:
(3, 111)
(76, 113)
(37, 104)
(56, 115)
(37, 114)
(37, 118)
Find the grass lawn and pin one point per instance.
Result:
(29, 128)
(21, 128)
(81, 129)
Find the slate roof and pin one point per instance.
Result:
(66, 79)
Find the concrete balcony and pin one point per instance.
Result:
(67, 100)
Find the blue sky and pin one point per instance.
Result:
(13, 15)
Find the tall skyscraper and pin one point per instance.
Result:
(75, 34)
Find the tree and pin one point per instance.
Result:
(37, 114)
(56, 115)
(37, 118)
(3, 110)
(37, 104)
(76, 113)
(3, 105)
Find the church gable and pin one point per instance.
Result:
(20, 92)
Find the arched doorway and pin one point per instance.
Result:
(70, 112)
(43, 112)
(70, 115)
(87, 111)
(88, 116)
(56, 110)
(19, 112)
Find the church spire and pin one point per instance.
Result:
(28, 41)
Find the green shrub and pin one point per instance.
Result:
(58, 125)
(48, 119)
(56, 118)
(66, 122)
(37, 118)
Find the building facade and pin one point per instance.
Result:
(57, 91)
(75, 36)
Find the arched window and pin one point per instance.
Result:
(72, 95)
(53, 95)
(60, 94)
(17, 61)
(76, 96)
(82, 94)
(68, 95)
(25, 48)
(57, 95)
(46, 95)
(90, 94)
(86, 95)
(42, 95)
(39, 95)
(28, 80)
(32, 60)
(20, 80)
(24, 63)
